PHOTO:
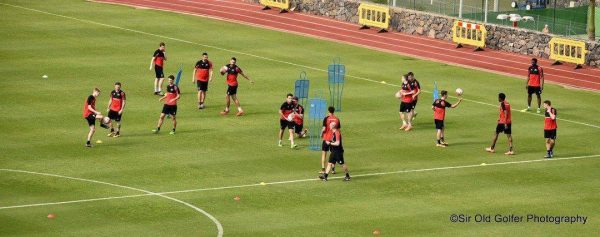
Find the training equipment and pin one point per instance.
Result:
(263, 183)
(316, 113)
(223, 70)
(459, 91)
(45, 76)
(51, 216)
(435, 92)
(398, 95)
(383, 82)
(284, 5)
(178, 75)
(301, 88)
(237, 198)
(99, 141)
(336, 73)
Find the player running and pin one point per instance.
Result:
(406, 93)
(326, 135)
(286, 112)
(170, 106)
(417, 87)
(203, 72)
(116, 105)
(299, 118)
(439, 114)
(535, 84)
(158, 61)
(549, 128)
(337, 152)
(91, 114)
(504, 125)
(232, 71)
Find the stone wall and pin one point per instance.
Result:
(566, 3)
(504, 38)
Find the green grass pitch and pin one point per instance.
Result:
(42, 131)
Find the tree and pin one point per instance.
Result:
(591, 20)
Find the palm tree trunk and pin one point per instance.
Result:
(591, 20)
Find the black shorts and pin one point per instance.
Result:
(286, 124)
(336, 157)
(439, 124)
(534, 90)
(114, 115)
(202, 85)
(91, 119)
(159, 72)
(298, 128)
(414, 104)
(550, 134)
(501, 129)
(232, 90)
(324, 146)
(170, 109)
(406, 107)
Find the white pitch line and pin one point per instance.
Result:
(148, 193)
(290, 181)
(252, 55)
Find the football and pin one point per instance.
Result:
(105, 120)
(223, 70)
(290, 117)
(459, 91)
(398, 95)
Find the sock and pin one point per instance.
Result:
(347, 175)
(442, 138)
(239, 109)
(493, 146)
(88, 142)
(226, 109)
(326, 174)
(279, 142)
(173, 129)
(439, 142)
(510, 148)
(158, 129)
(403, 122)
(323, 169)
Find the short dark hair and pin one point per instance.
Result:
(290, 94)
(171, 77)
(547, 102)
(502, 96)
(331, 109)
(534, 60)
(234, 59)
(204, 54)
(161, 44)
(444, 93)
(295, 98)
(117, 84)
(410, 74)
(96, 89)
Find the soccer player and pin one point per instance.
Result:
(326, 135)
(116, 105)
(504, 125)
(170, 106)
(203, 72)
(158, 61)
(406, 93)
(439, 114)
(299, 118)
(417, 87)
(286, 109)
(535, 84)
(91, 114)
(549, 128)
(337, 152)
(232, 71)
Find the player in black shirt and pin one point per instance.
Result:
(286, 114)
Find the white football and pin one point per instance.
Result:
(223, 70)
(105, 120)
(459, 91)
(290, 117)
(398, 95)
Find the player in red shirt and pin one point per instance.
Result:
(158, 61)
(535, 84)
(549, 128)
(286, 112)
(299, 118)
(170, 106)
(203, 73)
(326, 135)
(439, 114)
(336, 154)
(405, 94)
(116, 105)
(504, 125)
(90, 114)
(232, 71)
